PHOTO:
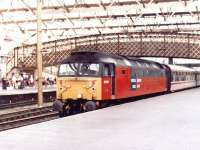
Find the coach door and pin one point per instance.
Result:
(108, 81)
(169, 77)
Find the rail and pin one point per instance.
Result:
(26, 117)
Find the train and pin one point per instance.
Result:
(90, 80)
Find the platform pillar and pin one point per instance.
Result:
(39, 52)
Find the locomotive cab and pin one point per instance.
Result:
(84, 81)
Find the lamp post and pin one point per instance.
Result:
(39, 52)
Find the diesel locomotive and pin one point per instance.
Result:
(90, 80)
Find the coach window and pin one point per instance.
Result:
(183, 76)
(193, 76)
(174, 76)
(177, 76)
(186, 76)
(189, 76)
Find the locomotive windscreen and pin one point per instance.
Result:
(79, 69)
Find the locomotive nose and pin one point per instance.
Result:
(80, 88)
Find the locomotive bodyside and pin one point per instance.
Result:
(87, 80)
(140, 78)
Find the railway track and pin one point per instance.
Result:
(21, 103)
(27, 117)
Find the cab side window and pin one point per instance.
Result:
(106, 70)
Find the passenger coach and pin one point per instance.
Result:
(182, 77)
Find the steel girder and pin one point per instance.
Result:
(127, 44)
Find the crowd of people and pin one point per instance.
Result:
(20, 81)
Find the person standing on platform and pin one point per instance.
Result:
(14, 81)
(4, 84)
(31, 80)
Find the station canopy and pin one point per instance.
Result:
(73, 18)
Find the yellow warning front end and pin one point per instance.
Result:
(75, 88)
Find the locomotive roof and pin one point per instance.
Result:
(180, 68)
(98, 57)
(145, 61)
(94, 57)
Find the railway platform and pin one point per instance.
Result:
(167, 122)
(28, 94)
(26, 90)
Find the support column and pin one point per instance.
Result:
(118, 44)
(39, 53)
(170, 61)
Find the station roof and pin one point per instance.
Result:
(70, 18)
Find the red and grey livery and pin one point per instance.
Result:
(93, 79)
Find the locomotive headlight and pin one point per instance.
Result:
(79, 95)
(90, 84)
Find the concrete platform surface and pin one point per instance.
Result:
(26, 90)
(168, 122)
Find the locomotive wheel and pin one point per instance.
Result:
(90, 106)
(61, 114)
